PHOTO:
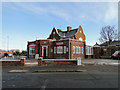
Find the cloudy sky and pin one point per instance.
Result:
(24, 21)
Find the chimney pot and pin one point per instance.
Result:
(69, 28)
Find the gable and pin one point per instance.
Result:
(54, 35)
(73, 34)
(80, 35)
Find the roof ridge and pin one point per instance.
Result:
(67, 31)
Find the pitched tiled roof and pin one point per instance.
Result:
(114, 43)
(67, 34)
(96, 45)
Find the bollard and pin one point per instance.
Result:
(22, 61)
(78, 61)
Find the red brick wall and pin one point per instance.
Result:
(97, 52)
(13, 63)
(36, 48)
(57, 62)
(65, 43)
(68, 43)
(78, 35)
(75, 44)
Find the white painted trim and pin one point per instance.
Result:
(57, 32)
(77, 32)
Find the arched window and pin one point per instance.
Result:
(80, 39)
(54, 32)
(73, 49)
(54, 39)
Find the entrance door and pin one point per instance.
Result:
(44, 52)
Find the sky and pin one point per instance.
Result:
(28, 21)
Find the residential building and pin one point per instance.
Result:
(68, 44)
(105, 50)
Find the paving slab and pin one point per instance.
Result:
(12, 71)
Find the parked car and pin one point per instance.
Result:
(116, 55)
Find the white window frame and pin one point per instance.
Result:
(45, 46)
(73, 49)
(91, 51)
(59, 49)
(76, 50)
(79, 50)
(64, 49)
(82, 49)
(32, 51)
(54, 50)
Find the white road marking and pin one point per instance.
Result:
(44, 85)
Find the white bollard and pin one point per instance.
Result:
(78, 61)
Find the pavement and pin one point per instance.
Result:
(60, 68)
(100, 61)
(94, 65)
(61, 76)
(86, 61)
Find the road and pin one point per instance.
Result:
(96, 76)
(60, 80)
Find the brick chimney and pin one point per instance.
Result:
(69, 28)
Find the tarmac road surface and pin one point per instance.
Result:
(60, 80)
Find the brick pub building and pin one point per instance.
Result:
(68, 44)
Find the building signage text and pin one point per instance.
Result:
(59, 43)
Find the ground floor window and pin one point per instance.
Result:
(54, 50)
(82, 50)
(77, 50)
(32, 51)
(59, 49)
(31, 56)
(64, 49)
(73, 49)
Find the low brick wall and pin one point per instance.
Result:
(56, 62)
(13, 62)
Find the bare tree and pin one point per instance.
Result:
(108, 34)
(119, 35)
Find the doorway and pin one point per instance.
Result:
(44, 53)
